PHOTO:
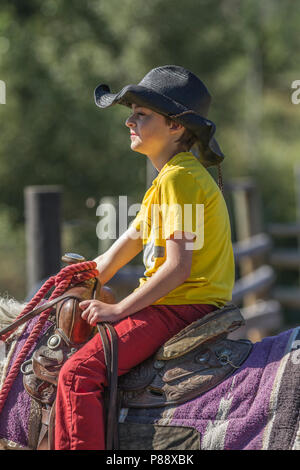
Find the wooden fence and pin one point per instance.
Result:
(255, 290)
(252, 249)
(288, 259)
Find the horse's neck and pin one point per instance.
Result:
(9, 310)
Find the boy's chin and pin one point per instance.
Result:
(137, 148)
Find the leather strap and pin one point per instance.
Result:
(46, 436)
(37, 311)
(51, 429)
(44, 427)
(110, 349)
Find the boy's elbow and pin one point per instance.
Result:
(186, 272)
(183, 271)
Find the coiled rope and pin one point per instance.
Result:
(72, 274)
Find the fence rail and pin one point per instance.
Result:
(257, 245)
(284, 230)
(254, 253)
(256, 282)
(288, 259)
(288, 296)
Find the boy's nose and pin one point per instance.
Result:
(130, 122)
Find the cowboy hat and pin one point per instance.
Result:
(177, 93)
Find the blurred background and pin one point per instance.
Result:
(52, 56)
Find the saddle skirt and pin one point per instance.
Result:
(192, 362)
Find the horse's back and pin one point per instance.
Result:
(255, 408)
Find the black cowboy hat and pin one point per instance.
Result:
(177, 93)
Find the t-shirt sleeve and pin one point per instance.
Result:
(141, 215)
(180, 203)
(136, 223)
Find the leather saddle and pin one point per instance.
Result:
(192, 362)
(68, 333)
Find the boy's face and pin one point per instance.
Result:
(149, 132)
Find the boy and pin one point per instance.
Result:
(186, 277)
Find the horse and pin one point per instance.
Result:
(252, 404)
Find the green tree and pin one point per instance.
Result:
(53, 54)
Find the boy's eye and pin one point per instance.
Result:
(137, 113)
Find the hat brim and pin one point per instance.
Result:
(209, 152)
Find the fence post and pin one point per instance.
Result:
(43, 232)
(248, 222)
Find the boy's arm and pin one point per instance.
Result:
(120, 253)
(174, 271)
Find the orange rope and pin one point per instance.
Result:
(74, 273)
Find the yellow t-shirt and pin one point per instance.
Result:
(185, 197)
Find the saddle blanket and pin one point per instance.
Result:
(255, 408)
(21, 415)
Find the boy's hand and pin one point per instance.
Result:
(95, 311)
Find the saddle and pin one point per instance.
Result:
(192, 362)
(67, 333)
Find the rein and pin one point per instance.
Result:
(70, 275)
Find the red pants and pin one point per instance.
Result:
(79, 404)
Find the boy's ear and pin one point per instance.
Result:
(175, 126)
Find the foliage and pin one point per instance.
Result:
(13, 258)
(53, 54)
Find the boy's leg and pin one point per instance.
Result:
(79, 404)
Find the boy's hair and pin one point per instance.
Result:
(187, 139)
